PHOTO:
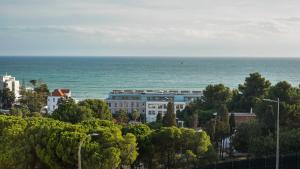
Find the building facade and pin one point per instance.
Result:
(12, 84)
(52, 100)
(150, 102)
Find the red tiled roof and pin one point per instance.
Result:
(60, 92)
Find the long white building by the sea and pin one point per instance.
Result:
(150, 102)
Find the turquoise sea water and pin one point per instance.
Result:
(95, 77)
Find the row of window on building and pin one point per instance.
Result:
(164, 106)
(126, 104)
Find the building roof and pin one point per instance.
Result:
(170, 92)
(60, 92)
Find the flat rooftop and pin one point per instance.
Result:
(179, 92)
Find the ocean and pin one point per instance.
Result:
(95, 77)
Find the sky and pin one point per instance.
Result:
(260, 28)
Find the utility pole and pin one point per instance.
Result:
(277, 128)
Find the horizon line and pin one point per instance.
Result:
(145, 56)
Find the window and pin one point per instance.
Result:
(132, 104)
(137, 104)
(165, 106)
(116, 104)
(160, 106)
(181, 106)
(53, 99)
(177, 106)
(53, 107)
(109, 104)
(151, 112)
(151, 106)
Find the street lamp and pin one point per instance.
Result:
(79, 149)
(277, 134)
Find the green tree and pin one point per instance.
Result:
(135, 115)
(216, 95)
(255, 86)
(232, 123)
(20, 111)
(289, 103)
(69, 111)
(13, 151)
(45, 143)
(182, 147)
(7, 98)
(99, 108)
(34, 99)
(246, 132)
(122, 117)
(169, 118)
(159, 118)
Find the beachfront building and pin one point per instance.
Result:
(150, 102)
(12, 84)
(53, 98)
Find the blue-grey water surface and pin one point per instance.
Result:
(95, 77)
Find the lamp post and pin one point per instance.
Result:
(277, 127)
(79, 149)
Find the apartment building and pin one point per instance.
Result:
(150, 102)
(11, 83)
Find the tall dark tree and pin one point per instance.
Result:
(191, 117)
(7, 98)
(216, 95)
(159, 118)
(222, 128)
(169, 118)
(232, 123)
(255, 86)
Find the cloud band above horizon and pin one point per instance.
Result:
(144, 28)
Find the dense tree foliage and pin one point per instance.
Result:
(255, 86)
(69, 111)
(258, 138)
(99, 108)
(20, 111)
(169, 119)
(34, 99)
(121, 117)
(7, 98)
(135, 115)
(44, 143)
(215, 96)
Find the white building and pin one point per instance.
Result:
(150, 102)
(11, 83)
(153, 108)
(54, 97)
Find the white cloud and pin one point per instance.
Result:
(157, 27)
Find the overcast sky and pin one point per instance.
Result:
(150, 27)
